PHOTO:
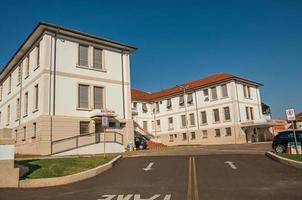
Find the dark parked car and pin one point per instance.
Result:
(140, 142)
(281, 140)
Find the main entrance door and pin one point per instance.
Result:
(98, 129)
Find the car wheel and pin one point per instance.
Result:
(141, 147)
(280, 148)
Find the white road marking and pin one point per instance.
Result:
(232, 165)
(135, 197)
(149, 167)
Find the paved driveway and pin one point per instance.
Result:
(204, 177)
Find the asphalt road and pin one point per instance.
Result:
(204, 177)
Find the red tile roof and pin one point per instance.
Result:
(299, 116)
(140, 95)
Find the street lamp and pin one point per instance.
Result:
(186, 111)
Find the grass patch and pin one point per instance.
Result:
(47, 168)
(292, 157)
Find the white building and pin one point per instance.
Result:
(57, 85)
(218, 109)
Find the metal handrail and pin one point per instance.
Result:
(76, 138)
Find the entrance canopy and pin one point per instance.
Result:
(97, 114)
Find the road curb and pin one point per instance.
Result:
(283, 160)
(56, 181)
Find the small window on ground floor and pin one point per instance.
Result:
(204, 134)
(228, 131)
(171, 138)
(84, 127)
(184, 136)
(193, 136)
(217, 132)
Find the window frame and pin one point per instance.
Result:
(88, 97)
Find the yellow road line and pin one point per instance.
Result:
(196, 192)
(189, 192)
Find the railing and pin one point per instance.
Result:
(74, 142)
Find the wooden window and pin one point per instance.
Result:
(169, 104)
(204, 119)
(25, 103)
(224, 90)
(170, 123)
(35, 130)
(190, 99)
(83, 97)
(183, 121)
(9, 84)
(144, 108)
(8, 115)
(227, 114)
(228, 131)
(134, 104)
(214, 93)
(158, 124)
(83, 55)
(157, 106)
(193, 136)
(36, 97)
(145, 125)
(18, 109)
(181, 100)
(38, 55)
(19, 75)
(192, 119)
(247, 113)
(217, 132)
(206, 94)
(26, 69)
(153, 125)
(216, 115)
(97, 58)
(171, 138)
(24, 133)
(98, 97)
(252, 113)
(184, 136)
(84, 127)
(204, 134)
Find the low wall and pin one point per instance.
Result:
(47, 182)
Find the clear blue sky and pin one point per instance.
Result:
(180, 41)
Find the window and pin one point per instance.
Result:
(83, 55)
(247, 113)
(8, 115)
(9, 84)
(98, 97)
(171, 138)
(144, 108)
(36, 97)
(246, 91)
(224, 90)
(204, 134)
(157, 106)
(193, 136)
(84, 127)
(83, 96)
(19, 75)
(35, 130)
(38, 55)
(217, 132)
(25, 104)
(183, 121)
(216, 115)
(112, 125)
(252, 113)
(192, 119)
(145, 125)
(170, 123)
(206, 94)
(169, 104)
(18, 109)
(204, 117)
(134, 104)
(1, 90)
(228, 131)
(153, 125)
(26, 70)
(24, 133)
(158, 124)
(181, 100)
(190, 99)
(214, 93)
(97, 58)
(184, 136)
(227, 114)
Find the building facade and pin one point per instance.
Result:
(219, 109)
(58, 85)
